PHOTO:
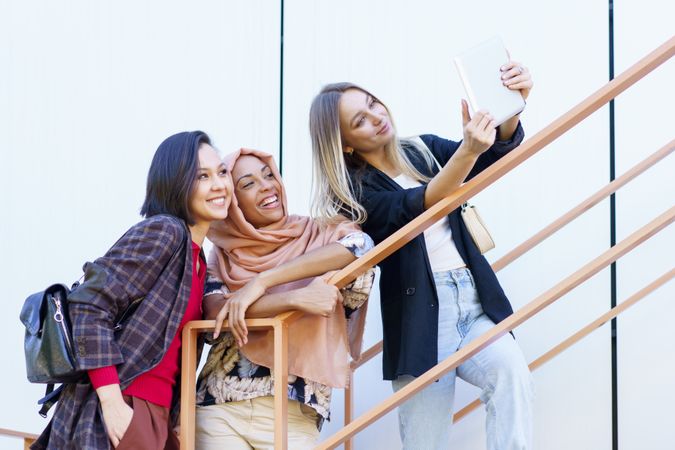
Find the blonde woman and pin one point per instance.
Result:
(437, 292)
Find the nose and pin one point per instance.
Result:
(376, 119)
(220, 183)
(266, 184)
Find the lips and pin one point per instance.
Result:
(218, 201)
(384, 128)
(269, 202)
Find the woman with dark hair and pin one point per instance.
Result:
(128, 398)
(437, 292)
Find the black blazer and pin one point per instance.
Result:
(408, 296)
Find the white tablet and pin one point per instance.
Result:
(479, 71)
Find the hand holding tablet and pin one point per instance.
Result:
(492, 82)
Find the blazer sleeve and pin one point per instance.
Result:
(443, 149)
(128, 271)
(390, 210)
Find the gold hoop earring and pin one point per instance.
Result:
(349, 150)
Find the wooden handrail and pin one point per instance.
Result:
(28, 438)
(189, 374)
(556, 225)
(405, 235)
(585, 331)
(503, 327)
(584, 206)
(367, 355)
(481, 181)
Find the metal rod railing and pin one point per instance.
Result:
(501, 329)
(191, 330)
(582, 333)
(481, 181)
(28, 438)
(556, 225)
(540, 236)
(417, 226)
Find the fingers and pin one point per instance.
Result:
(523, 80)
(510, 65)
(484, 123)
(117, 418)
(516, 77)
(513, 69)
(239, 326)
(337, 298)
(333, 297)
(479, 133)
(480, 122)
(465, 113)
(233, 314)
(220, 318)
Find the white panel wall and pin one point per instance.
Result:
(403, 52)
(88, 90)
(645, 334)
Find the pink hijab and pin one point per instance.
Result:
(319, 347)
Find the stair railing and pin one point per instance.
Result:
(409, 232)
(28, 438)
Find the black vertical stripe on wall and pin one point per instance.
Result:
(612, 238)
(281, 91)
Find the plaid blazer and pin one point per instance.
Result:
(151, 260)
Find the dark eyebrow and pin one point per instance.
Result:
(250, 174)
(244, 176)
(220, 167)
(368, 97)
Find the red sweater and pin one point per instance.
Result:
(156, 385)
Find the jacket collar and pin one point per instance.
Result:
(378, 178)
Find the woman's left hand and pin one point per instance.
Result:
(235, 309)
(517, 77)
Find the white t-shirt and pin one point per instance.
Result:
(443, 254)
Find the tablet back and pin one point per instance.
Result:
(479, 71)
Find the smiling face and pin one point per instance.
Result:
(212, 191)
(258, 191)
(365, 124)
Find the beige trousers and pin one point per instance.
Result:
(249, 425)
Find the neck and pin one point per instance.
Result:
(198, 232)
(379, 160)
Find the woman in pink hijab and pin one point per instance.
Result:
(276, 262)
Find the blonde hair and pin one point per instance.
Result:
(332, 190)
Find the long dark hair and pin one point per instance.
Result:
(172, 175)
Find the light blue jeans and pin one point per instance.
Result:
(499, 370)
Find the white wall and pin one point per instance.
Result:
(644, 124)
(89, 90)
(402, 52)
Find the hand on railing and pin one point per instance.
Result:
(318, 297)
(235, 308)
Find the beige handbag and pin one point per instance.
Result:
(472, 220)
(477, 229)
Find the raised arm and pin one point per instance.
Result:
(479, 135)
